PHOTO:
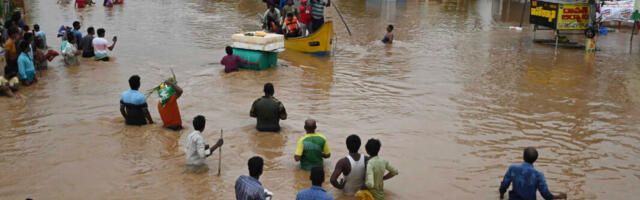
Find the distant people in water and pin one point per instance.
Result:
(268, 110)
(312, 148)
(40, 34)
(86, 44)
(26, 68)
(352, 168)
(231, 61)
(101, 45)
(526, 180)
(70, 52)
(315, 192)
(41, 55)
(388, 38)
(110, 3)
(11, 50)
(133, 104)
(76, 32)
(197, 150)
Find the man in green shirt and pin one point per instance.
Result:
(376, 168)
(268, 110)
(312, 148)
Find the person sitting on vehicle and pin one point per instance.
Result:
(292, 28)
(290, 8)
(272, 20)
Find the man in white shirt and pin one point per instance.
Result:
(101, 45)
(197, 150)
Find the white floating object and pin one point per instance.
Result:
(269, 42)
(515, 28)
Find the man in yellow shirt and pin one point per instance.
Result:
(312, 148)
(376, 168)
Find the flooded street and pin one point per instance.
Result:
(454, 101)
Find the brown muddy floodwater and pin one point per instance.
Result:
(454, 101)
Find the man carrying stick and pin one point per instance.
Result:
(197, 150)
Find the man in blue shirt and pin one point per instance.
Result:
(76, 32)
(133, 104)
(315, 192)
(526, 180)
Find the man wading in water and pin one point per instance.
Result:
(268, 110)
(197, 150)
(526, 180)
(133, 104)
(312, 147)
(352, 167)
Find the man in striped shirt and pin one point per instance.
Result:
(317, 13)
(248, 187)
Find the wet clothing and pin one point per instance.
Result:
(249, 188)
(69, 55)
(40, 60)
(134, 103)
(43, 37)
(376, 168)
(355, 179)
(526, 180)
(386, 38)
(26, 69)
(78, 35)
(87, 46)
(100, 47)
(267, 110)
(63, 46)
(231, 62)
(311, 148)
(314, 193)
(195, 149)
(170, 113)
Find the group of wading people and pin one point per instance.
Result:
(352, 173)
(27, 53)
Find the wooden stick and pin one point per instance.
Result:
(524, 8)
(340, 14)
(220, 155)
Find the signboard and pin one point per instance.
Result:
(617, 11)
(573, 16)
(544, 14)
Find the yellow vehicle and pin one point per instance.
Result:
(315, 43)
